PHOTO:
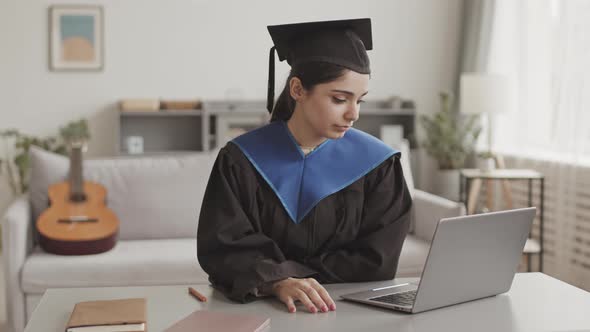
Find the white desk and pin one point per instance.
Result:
(536, 302)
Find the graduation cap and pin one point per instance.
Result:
(342, 43)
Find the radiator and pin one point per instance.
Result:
(567, 216)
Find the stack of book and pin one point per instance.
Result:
(180, 104)
(154, 105)
(139, 105)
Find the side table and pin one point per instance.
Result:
(469, 175)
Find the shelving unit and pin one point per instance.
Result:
(185, 131)
(171, 131)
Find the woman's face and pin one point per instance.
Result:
(330, 109)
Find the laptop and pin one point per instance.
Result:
(471, 257)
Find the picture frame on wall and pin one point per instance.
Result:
(76, 38)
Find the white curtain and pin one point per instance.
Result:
(544, 45)
(477, 17)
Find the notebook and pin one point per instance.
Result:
(124, 315)
(210, 321)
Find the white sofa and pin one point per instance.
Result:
(157, 200)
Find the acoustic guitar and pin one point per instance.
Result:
(77, 221)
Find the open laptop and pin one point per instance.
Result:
(471, 257)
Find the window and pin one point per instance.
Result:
(544, 45)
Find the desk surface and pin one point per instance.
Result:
(536, 302)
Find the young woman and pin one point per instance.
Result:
(306, 199)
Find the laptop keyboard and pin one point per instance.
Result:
(403, 298)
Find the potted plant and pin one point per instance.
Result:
(449, 140)
(486, 161)
(15, 164)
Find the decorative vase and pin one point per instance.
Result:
(486, 164)
(447, 184)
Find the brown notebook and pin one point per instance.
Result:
(210, 321)
(111, 315)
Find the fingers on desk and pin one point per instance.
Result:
(316, 299)
(323, 293)
(290, 304)
(305, 300)
(307, 291)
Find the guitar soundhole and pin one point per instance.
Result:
(78, 197)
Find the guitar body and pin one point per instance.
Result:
(77, 227)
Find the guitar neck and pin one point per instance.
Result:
(75, 177)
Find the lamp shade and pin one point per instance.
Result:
(485, 93)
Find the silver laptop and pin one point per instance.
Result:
(471, 257)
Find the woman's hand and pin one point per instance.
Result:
(313, 295)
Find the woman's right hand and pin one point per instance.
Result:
(310, 292)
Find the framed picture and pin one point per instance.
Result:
(76, 39)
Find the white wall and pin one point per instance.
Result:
(206, 49)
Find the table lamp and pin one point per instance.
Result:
(485, 93)
(489, 94)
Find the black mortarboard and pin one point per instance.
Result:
(343, 43)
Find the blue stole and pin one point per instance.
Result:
(301, 182)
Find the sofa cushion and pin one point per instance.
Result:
(153, 262)
(413, 257)
(153, 197)
(129, 263)
(404, 148)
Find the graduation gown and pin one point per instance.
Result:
(247, 238)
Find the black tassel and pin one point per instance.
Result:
(271, 81)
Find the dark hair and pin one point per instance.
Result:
(311, 74)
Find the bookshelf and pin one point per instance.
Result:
(185, 131)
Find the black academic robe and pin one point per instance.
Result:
(246, 238)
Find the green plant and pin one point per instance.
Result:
(75, 131)
(16, 162)
(449, 138)
(485, 155)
